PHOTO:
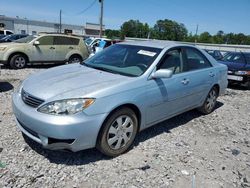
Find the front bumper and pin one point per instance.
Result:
(75, 132)
(240, 79)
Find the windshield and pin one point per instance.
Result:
(232, 57)
(88, 41)
(128, 60)
(26, 39)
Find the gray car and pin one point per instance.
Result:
(106, 100)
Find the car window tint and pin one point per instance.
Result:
(61, 40)
(195, 60)
(238, 58)
(247, 56)
(46, 40)
(129, 60)
(172, 61)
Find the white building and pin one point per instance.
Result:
(25, 26)
(32, 27)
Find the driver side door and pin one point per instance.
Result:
(44, 51)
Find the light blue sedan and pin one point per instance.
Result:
(106, 100)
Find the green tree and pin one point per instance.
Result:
(219, 38)
(205, 37)
(169, 30)
(112, 34)
(134, 28)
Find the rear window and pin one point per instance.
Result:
(60, 40)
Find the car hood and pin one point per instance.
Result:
(70, 81)
(11, 44)
(233, 66)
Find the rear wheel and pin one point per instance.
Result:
(18, 61)
(118, 132)
(75, 59)
(248, 85)
(210, 102)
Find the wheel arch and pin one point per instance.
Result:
(127, 105)
(74, 54)
(217, 86)
(16, 53)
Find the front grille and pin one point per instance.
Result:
(30, 100)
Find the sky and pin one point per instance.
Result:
(209, 15)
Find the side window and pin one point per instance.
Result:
(46, 40)
(172, 61)
(8, 33)
(60, 40)
(195, 60)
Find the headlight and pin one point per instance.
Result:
(66, 107)
(242, 72)
(2, 48)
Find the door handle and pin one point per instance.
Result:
(71, 48)
(52, 48)
(211, 74)
(185, 81)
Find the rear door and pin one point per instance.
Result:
(64, 45)
(192, 78)
(200, 76)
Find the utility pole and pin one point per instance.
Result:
(101, 18)
(60, 24)
(196, 32)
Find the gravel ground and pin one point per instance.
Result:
(189, 150)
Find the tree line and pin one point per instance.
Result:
(172, 30)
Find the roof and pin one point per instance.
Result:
(152, 43)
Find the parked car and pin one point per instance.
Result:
(6, 32)
(216, 54)
(2, 36)
(106, 100)
(93, 43)
(12, 37)
(238, 67)
(44, 48)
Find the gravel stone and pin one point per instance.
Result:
(214, 147)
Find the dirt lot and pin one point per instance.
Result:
(190, 150)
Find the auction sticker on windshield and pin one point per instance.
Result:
(147, 53)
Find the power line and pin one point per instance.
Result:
(92, 4)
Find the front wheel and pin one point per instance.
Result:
(18, 61)
(210, 102)
(118, 132)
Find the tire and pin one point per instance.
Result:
(210, 101)
(118, 132)
(18, 61)
(75, 59)
(248, 85)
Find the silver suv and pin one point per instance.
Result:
(44, 48)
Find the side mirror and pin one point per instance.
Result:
(36, 43)
(162, 73)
